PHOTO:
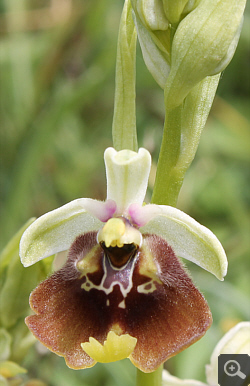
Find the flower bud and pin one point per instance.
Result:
(152, 14)
(203, 45)
(184, 41)
(10, 369)
(153, 31)
(178, 9)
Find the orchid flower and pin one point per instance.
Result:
(123, 292)
(235, 341)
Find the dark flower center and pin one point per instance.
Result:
(119, 256)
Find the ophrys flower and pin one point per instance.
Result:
(123, 291)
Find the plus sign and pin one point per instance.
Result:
(231, 368)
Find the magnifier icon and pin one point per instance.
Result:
(234, 368)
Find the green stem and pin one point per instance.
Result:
(149, 379)
(169, 177)
(182, 130)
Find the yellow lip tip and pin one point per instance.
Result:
(115, 347)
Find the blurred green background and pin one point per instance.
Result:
(57, 78)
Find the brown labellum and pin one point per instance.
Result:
(144, 292)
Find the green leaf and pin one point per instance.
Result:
(18, 284)
(124, 119)
(5, 342)
(11, 369)
(12, 247)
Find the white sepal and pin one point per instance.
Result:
(235, 341)
(55, 231)
(187, 237)
(127, 177)
(170, 380)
